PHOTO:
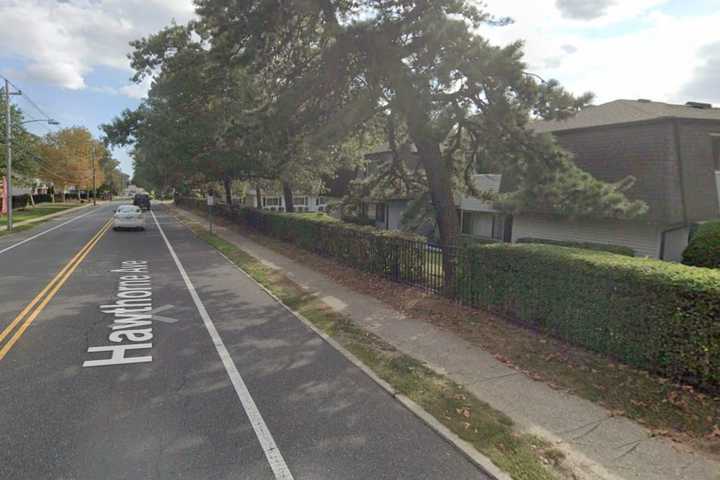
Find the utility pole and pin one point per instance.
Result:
(93, 173)
(8, 152)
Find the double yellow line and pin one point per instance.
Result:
(37, 305)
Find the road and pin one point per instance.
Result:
(148, 356)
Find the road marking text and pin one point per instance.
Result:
(132, 317)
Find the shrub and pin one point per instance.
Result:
(358, 220)
(465, 240)
(396, 255)
(704, 248)
(655, 315)
(601, 247)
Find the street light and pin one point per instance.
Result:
(49, 121)
(8, 147)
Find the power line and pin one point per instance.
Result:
(41, 165)
(27, 98)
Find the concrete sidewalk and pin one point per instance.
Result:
(598, 445)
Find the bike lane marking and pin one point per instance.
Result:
(267, 442)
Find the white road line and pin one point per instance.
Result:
(46, 231)
(273, 455)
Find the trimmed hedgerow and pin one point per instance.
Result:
(600, 247)
(655, 315)
(399, 256)
(704, 248)
(659, 316)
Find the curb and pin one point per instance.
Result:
(465, 448)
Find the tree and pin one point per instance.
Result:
(24, 144)
(67, 159)
(465, 103)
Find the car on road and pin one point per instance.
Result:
(128, 217)
(142, 200)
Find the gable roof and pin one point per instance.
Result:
(625, 111)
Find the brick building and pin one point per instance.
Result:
(673, 151)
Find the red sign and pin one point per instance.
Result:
(4, 197)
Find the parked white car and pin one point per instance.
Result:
(128, 216)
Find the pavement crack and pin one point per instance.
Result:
(628, 451)
(585, 425)
(504, 375)
(588, 432)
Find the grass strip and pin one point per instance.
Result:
(523, 456)
(666, 408)
(30, 213)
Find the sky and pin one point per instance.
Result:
(69, 56)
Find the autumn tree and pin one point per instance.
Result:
(66, 159)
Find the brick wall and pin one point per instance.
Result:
(644, 151)
(698, 168)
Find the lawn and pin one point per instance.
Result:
(523, 456)
(41, 210)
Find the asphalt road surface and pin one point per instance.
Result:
(146, 355)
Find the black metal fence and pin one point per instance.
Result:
(410, 261)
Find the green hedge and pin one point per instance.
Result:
(655, 315)
(395, 255)
(704, 248)
(600, 247)
(659, 316)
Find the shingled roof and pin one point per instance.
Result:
(627, 111)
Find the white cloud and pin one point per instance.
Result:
(633, 51)
(137, 90)
(704, 85)
(63, 41)
(583, 9)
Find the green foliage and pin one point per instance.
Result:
(704, 248)
(387, 253)
(601, 247)
(470, 240)
(358, 220)
(464, 103)
(25, 154)
(655, 315)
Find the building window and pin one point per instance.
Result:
(467, 221)
(320, 201)
(715, 137)
(300, 201)
(380, 212)
(502, 227)
(271, 201)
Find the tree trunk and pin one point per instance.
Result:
(288, 195)
(258, 196)
(227, 183)
(440, 183)
(439, 175)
